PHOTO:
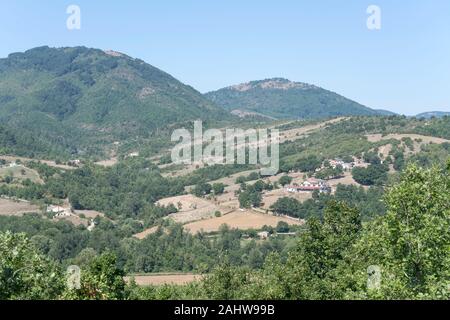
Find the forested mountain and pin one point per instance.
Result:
(281, 98)
(78, 99)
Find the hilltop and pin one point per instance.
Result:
(284, 99)
(430, 114)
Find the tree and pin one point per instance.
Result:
(330, 173)
(415, 234)
(25, 273)
(286, 206)
(347, 159)
(285, 180)
(202, 189)
(372, 158)
(282, 227)
(101, 280)
(308, 164)
(373, 174)
(218, 188)
(321, 251)
(225, 282)
(256, 199)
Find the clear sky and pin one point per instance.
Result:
(209, 44)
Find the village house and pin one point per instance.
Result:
(13, 164)
(310, 185)
(74, 163)
(59, 211)
(91, 225)
(338, 162)
(263, 235)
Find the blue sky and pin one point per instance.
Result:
(404, 67)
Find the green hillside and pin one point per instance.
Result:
(281, 98)
(78, 100)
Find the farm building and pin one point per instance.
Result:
(263, 235)
(59, 211)
(310, 185)
(74, 163)
(338, 162)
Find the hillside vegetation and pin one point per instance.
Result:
(79, 101)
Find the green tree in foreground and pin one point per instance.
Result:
(102, 280)
(25, 274)
(411, 243)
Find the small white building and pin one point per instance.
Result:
(59, 211)
(75, 162)
(263, 235)
(338, 162)
(91, 225)
(309, 185)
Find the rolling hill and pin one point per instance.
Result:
(76, 100)
(282, 99)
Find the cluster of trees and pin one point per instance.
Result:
(437, 127)
(330, 173)
(367, 201)
(204, 189)
(374, 174)
(211, 173)
(286, 206)
(27, 274)
(285, 180)
(250, 195)
(251, 177)
(307, 164)
(169, 249)
(372, 157)
(127, 190)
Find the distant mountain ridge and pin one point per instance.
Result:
(430, 114)
(281, 98)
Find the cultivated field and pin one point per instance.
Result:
(238, 219)
(21, 173)
(90, 214)
(75, 220)
(270, 197)
(145, 233)
(192, 208)
(47, 162)
(346, 179)
(16, 208)
(302, 132)
(107, 163)
(162, 279)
